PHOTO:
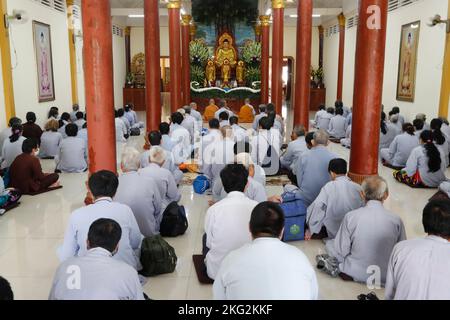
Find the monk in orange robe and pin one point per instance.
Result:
(210, 110)
(247, 112)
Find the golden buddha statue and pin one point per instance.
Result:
(210, 73)
(240, 72)
(226, 52)
(226, 72)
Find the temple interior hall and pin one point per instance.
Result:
(111, 80)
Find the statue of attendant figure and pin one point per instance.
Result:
(226, 72)
(240, 73)
(210, 73)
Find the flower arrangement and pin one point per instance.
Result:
(251, 54)
(199, 53)
(252, 74)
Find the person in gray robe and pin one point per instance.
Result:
(388, 132)
(336, 199)
(96, 275)
(324, 121)
(400, 149)
(103, 186)
(295, 148)
(72, 154)
(140, 193)
(50, 140)
(419, 269)
(7, 132)
(338, 125)
(347, 141)
(164, 179)
(365, 240)
(262, 114)
(12, 146)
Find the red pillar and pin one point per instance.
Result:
(173, 8)
(265, 51)
(186, 39)
(369, 64)
(277, 54)
(340, 80)
(152, 64)
(98, 75)
(303, 63)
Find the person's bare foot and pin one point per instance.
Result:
(211, 202)
(308, 235)
(276, 199)
(56, 185)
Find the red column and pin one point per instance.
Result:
(369, 64)
(173, 7)
(186, 39)
(152, 64)
(277, 54)
(98, 75)
(265, 51)
(303, 63)
(340, 80)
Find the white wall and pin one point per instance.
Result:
(2, 98)
(429, 60)
(137, 44)
(120, 67)
(25, 74)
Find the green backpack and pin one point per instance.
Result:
(157, 257)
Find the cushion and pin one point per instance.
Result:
(200, 269)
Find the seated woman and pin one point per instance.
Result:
(247, 112)
(12, 147)
(401, 148)
(50, 140)
(8, 197)
(425, 166)
(26, 172)
(31, 129)
(72, 154)
(439, 139)
(388, 132)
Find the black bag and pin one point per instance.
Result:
(157, 257)
(135, 132)
(174, 222)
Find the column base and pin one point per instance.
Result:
(359, 178)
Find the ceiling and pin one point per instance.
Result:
(120, 9)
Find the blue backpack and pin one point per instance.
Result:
(295, 217)
(201, 184)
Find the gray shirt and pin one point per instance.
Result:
(418, 161)
(258, 117)
(401, 148)
(5, 134)
(323, 122)
(254, 191)
(419, 269)
(169, 164)
(100, 278)
(391, 132)
(10, 151)
(366, 238)
(142, 196)
(337, 127)
(72, 155)
(50, 142)
(294, 150)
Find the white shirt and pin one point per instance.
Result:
(227, 228)
(239, 133)
(121, 130)
(80, 123)
(337, 126)
(50, 142)
(182, 143)
(190, 124)
(5, 134)
(10, 151)
(266, 269)
(72, 155)
(218, 112)
(101, 278)
(294, 150)
(81, 220)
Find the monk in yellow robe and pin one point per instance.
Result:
(247, 112)
(210, 110)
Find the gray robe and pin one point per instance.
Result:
(294, 150)
(337, 127)
(386, 139)
(400, 150)
(255, 191)
(366, 238)
(419, 269)
(169, 164)
(418, 161)
(72, 155)
(50, 142)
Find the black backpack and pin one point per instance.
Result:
(157, 257)
(174, 222)
(135, 132)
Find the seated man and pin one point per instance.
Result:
(100, 276)
(365, 239)
(165, 182)
(238, 132)
(72, 154)
(262, 113)
(226, 222)
(223, 107)
(154, 139)
(295, 149)
(197, 115)
(247, 112)
(139, 193)
(266, 146)
(26, 172)
(210, 110)
(121, 129)
(189, 123)
(338, 125)
(324, 120)
(103, 186)
(419, 268)
(266, 268)
(319, 114)
(337, 198)
(166, 141)
(182, 139)
(419, 127)
(224, 119)
(73, 114)
(80, 120)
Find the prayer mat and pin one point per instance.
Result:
(200, 269)
(276, 181)
(43, 191)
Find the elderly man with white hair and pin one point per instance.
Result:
(163, 178)
(140, 193)
(197, 115)
(364, 243)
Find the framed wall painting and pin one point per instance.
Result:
(44, 61)
(409, 43)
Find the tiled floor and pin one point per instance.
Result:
(30, 234)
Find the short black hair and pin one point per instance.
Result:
(31, 117)
(79, 115)
(395, 110)
(120, 113)
(104, 233)
(436, 218)
(338, 166)
(322, 107)
(127, 108)
(234, 178)
(418, 124)
(28, 145)
(13, 121)
(177, 118)
(224, 115)
(6, 293)
(234, 120)
(267, 219)
(65, 116)
(103, 184)
(309, 138)
(242, 147)
(339, 104)
(71, 130)
(339, 111)
(164, 128)
(154, 137)
(265, 123)
(214, 124)
(330, 110)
